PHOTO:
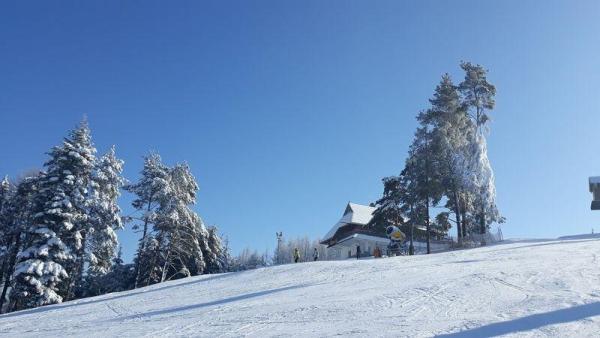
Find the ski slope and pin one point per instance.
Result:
(524, 289)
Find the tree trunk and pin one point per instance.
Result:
(427, 190)
(411, 247)
(482, 221)
(457, 213)
(165, 266)
(136, 270)
(464, 223)
(78, 271)
(428, 226)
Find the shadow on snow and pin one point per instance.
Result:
(531, 322)
(212, 303)
(111, 296)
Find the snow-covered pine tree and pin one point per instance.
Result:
(18, 216)
(150, 191)
(208, 257)
(227, 258)
(6, 236)
(451, 131)
(119, 278)
(214, 258)
(478, 97)
(178, 227)
(105, 213)
(483, 186)
(41, 265)
(54, 255)
(6, 192)
(73, 164)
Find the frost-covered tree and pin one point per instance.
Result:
(119, 278)
(227, 258)
(104, 213)
(51, 264)
(448, 161)
(215, 257)
(18, 215)
(451, 131)
(482, 186)
(150, 192)
(478, 98)
(5, 196)
(6, 192)
(148, 263)
(178, 227)
(40, 266)
(6, 233)
(248, 259)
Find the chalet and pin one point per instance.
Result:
(351, 231)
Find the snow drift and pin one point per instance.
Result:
(544, 288)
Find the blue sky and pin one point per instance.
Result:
(287, 110)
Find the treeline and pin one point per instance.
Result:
(447, 166)
(282, 254)
(58, 226)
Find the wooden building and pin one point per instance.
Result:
(351, 231)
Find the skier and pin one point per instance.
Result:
(315, 255)
(296, 255)
(357, 251)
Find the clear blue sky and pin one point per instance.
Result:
(287, 110)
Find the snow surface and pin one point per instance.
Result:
(525, 289)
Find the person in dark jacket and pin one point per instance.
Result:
(316, 254)
(357, 251)
(296, 255)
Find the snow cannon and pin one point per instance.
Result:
(396, 237)
(395, 234)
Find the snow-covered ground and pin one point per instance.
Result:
(528, 288)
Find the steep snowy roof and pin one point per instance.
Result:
(354, 214)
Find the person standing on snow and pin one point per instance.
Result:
(296, 255)
(315, 255)
(357, 251)
(377, 252)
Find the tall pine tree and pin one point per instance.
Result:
(178, 227)
(478, 98)
(150, 192)
(105, 214)
(51, 265)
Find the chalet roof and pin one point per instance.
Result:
(354, 214)
(352, 239)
